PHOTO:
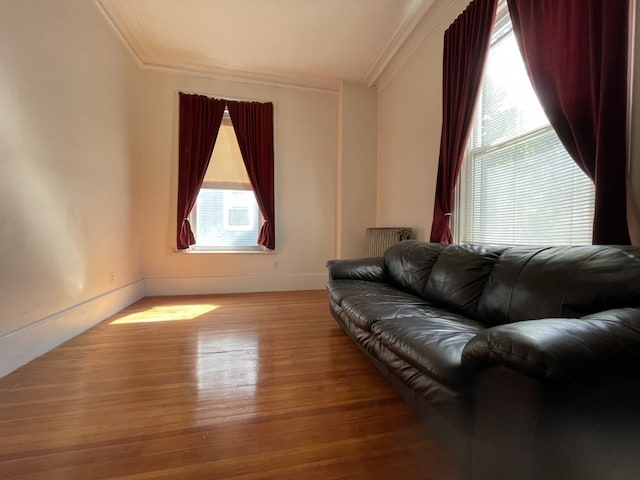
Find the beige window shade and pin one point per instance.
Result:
(226, 169)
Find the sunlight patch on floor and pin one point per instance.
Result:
(168, 313)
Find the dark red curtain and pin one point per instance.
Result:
(576, 56)
(466, 43)
(200, 119)
(253, 125)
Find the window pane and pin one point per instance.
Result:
(529, 192)
(508, 105)
(239, 217)
(226, 218)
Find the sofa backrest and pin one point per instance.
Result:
(408, 264)
(562, 282)
(498, 285)
(452, 276)
(459, 275)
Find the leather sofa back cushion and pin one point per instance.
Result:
(408, 264)
(458, 277)
(566, 282)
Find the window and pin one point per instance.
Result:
(200, 125)
(226, 214)
(518, 185)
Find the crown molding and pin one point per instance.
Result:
(138, 48)
(105, 14)
(396, 42)
(436, 15)
(141, 50)
(251, 77)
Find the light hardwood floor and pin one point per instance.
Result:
(247, 386)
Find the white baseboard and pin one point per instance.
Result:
(233, 284)
(27, 343)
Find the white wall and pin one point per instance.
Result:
(357, 168)
(306, 131)
(67, 175)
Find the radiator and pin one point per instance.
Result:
(379, 239)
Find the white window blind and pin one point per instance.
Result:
(518, 185)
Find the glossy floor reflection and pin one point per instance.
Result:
(248, 386)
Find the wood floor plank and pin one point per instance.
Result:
(244, 386)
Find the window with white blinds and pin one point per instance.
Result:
(518, 185)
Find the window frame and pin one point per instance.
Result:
(225, 186)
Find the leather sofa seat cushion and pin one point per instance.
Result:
(364, 311)
(342, 289)
(560, 282)
(408, 264)
(432, 345)
(458, 277)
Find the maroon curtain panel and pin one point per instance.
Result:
(466, 43)
(253, 125)
(200, 119)
(575, 52)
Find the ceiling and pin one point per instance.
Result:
(313, 43)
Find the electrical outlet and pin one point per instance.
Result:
(112, 277)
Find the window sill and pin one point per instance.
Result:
(226, 251)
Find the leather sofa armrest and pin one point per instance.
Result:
(370, 269)
(560, 349)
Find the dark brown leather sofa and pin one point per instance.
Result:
(524, 362)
